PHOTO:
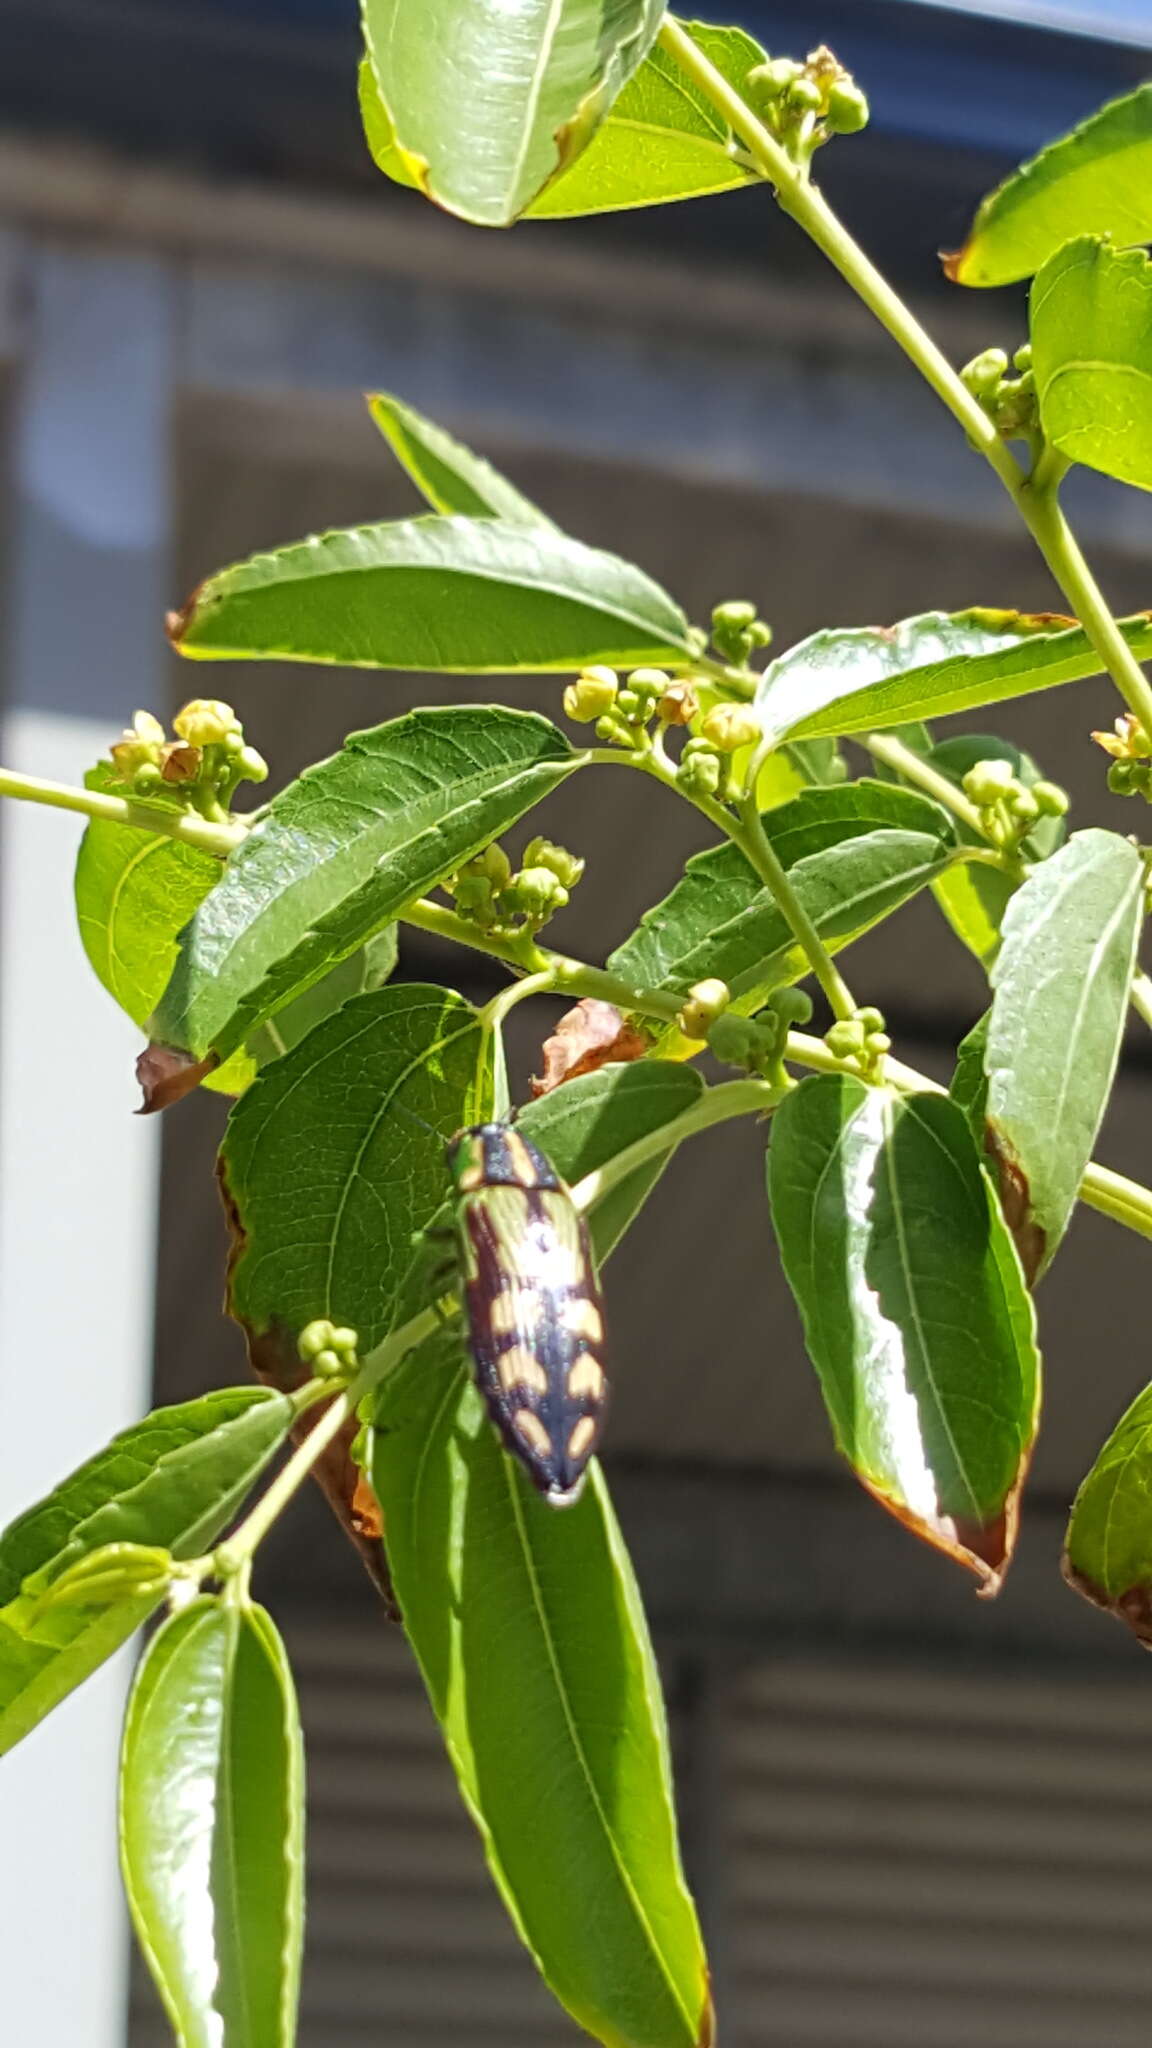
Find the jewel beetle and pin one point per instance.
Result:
(532, 1306)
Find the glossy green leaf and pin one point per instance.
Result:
(915, 1311)
(1095, 181)
(173, 1481)
(525, 90)
(1061, 983)
(212, 1826)
(661, 140)
(1108, 1547)
(969, 1084)
(339, 852)
(449, 475)
(586, 1122)
(135, 892)
(327, 1200)
(860, 680)
(1091, 325)
(974, 897)
(452, 596)
(853, 855)
(531, 1637)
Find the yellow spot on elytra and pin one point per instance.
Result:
(471, 1179)
(580, 1441)
(584, 1319)
(585, 1378)
(532, 1430)
(520, 1160)
(519, 1367)
(514, 1309)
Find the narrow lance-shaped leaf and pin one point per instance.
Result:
(171, 1482)
(587, 1122)
(915, 1311)
(341, 851)
(862, 679)
(1061, 983)
(212, 1826)
(451, 596)
(1091, 325)
(660, 141)
(1095, 181)
(853, 854)
(450, 476)
(1108, 1547)
(525, 91)
(530, 1634)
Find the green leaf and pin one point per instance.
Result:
(661, 140)
(1091, 323)
(973, 896)
(969, 1083)
(531, 1637)
(450, 596)
(914, 1307)
(1061, 983)
(1108, 1547)
(326, 1202)
(212, 1826)
(340, 852)
(525, 90)
(135, 892)
(586, 1122)
(1095, 181)
(853, 855)
(449, 475)
(860, 680)
(173, 1481)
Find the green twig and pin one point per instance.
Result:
(716, 1106)
(186, 826)
(894, 754)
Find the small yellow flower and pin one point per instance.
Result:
(206, 722)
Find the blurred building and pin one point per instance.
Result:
(910, 1818)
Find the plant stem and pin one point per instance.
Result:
(1141, 997)
(231, 1557)
(716, 1106)
(1114, 1195)
(186, 826)
(896, 755)
(762, 856)
(1035, 498)
(566, 976)
(1039, 503)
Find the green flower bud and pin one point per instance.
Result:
(989, 782)
(614, 731)
(1051, 799)
(846, 1038)
(1024, 807)
(706, 1002)
(738, 614)
(871, 1018)
(491, 864)
(1123, 778)
(591, 695)
(628, 703)
(765, 82)
(233, 744)
(876, 1044)
(727, 727)
(984, 374)
(313, 1339)
(474, 894)
(648, 683)
(699, 774)
(254, 765)
(328, 1365)
(205, 722)
(793, 1006)
(804, 96)
(847, 110)
(735, 1040)
(1022, 360)
(759, 634)
(148, 779)
(537, 892)
(566, 867)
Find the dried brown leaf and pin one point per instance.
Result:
(166, 1075)
(588, 1037)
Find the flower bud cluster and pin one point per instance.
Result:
(1008, 807)
(205, 762)
(861, 1039)
(330, 1349)
(738, 630)
(489, 895)
(622, 712)
(804, 105)
(759, 1043)
(1010, 402)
